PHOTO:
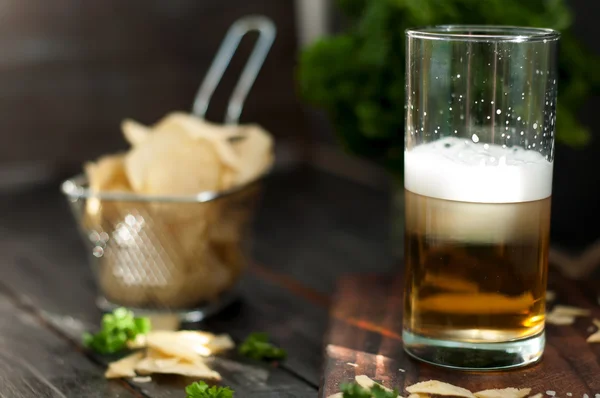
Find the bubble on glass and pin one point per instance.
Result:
(522, 132)
(450, 108)
(486, 147)
(499, 111)
(489, 117)
(458, 76)
(519, 118)
(535, 126)
(475, 138)
(424, 113)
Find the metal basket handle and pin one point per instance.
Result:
(266, 35)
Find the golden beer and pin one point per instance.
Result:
(476, 272)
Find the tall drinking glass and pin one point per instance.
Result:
(480, 124)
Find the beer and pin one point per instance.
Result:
(476, 243)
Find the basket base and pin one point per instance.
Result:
(185, 315)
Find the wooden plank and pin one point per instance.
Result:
(36, 363)
(365, 338)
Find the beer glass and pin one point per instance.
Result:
(480, 125)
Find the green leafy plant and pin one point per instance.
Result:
(357, 77)
(257, 346)
(353, 390)
(117, 329)
(200, 389)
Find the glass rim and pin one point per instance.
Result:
(484, 33)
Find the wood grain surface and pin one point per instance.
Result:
(365, 338)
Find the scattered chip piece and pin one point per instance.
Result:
(142, 379)
(558, 319)
(197, 369)
(439, 388)
(569, 310)
(368, 383)
(337, 395)
(538, 395)
(124, 367)
(594, 338)
(503, 393)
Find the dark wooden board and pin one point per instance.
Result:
(365, 338)
(34, 362)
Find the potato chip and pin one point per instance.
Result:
(220, 343)
(439, 388)
(134, 132)
(538, 395)
(596, 322)
(107, 174)
(572, 311)
(124, 367)
(594, 338)
(559, 320)
(152, 365)
(337, 395)
(255, 150)
(365, 382)
(196, 128)
(503, 393)
(419, 396)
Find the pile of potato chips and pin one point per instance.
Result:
(177, 253)
(184, 353)
(427, 389)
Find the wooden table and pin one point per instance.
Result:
(321, 245)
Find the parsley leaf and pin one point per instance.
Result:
(257, 346)
(200, 389)
(353, 390)
(117, 329)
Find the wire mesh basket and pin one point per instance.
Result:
(181, 254)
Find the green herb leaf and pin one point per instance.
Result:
(353, 390)
(257, 346)
(200, 389)
(117, 329)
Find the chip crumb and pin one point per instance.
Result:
(569, 394)
(352, 364)
(550, 295)
(366, 382)
(538, 395)
(503, 393)
(597, 396)
(570, 310)
(142, 379)
(401, 370)
(594, 338)
(559, 320)
(551, 393)
(439, 388)
(586, 396)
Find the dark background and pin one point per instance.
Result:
(71, 70)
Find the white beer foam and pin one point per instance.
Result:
(457, 169)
